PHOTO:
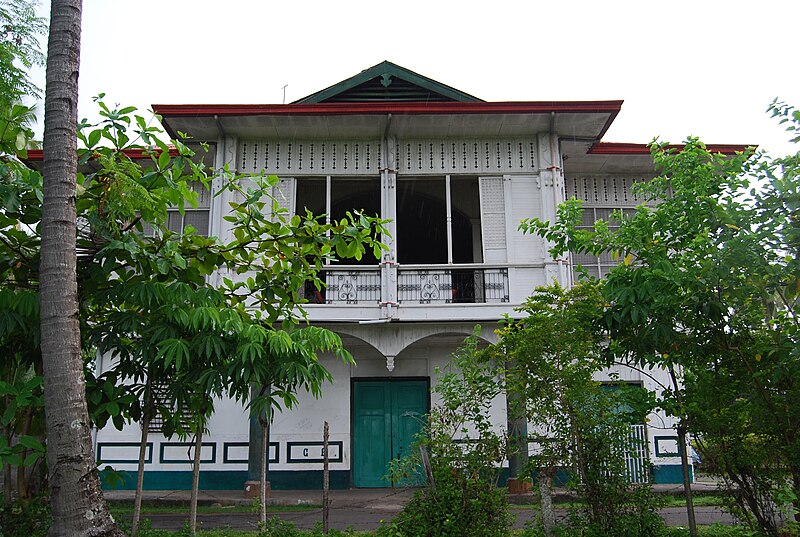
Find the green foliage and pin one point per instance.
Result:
(111, 477)
(708, 290)
(25, 518)
(551, 356)
(461, 497)
(20, 29)
(196, 316)
(715, 530)
(457, 506)
(21, 397)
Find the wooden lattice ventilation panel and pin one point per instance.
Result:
(466, 156)
(410, 156)
(312, 157)
(604, 190)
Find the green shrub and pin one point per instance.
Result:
(457, 506)
(275, 527)
(25, 518)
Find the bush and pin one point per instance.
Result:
(457, 506)
(25, 518)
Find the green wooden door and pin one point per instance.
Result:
(386, 417)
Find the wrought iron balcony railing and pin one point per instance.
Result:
(348, 286)
(454, 286)
(414, 285)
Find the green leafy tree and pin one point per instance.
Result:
(20, 384)
(552, 354)
(707, 290)
(20, 29)
(150, 300)
(148, 297)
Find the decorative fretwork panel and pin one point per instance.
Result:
(466, 156)
(452, 286)
(605, 190)
(359, 157)
(161, 402)
(298, 157)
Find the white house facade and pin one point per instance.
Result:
(454, 175)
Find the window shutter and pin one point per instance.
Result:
(493, 219)
(283, 192)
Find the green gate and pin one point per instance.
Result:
(387, 414)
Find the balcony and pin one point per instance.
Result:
(415, 285)
(452, 286)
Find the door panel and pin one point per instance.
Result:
(386, 419)
(409, 406)
(371, 433)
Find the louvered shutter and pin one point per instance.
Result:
(493, 219)
(284, 194)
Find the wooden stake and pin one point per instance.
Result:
(325, 480)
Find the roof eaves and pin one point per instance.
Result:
(621, 148)
(378, 108)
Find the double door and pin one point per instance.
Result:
(387, 416)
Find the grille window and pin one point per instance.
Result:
(198, 217)
(598, 266)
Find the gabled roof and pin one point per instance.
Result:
(387, 82)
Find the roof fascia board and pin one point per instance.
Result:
(619, 148)
(372, 108)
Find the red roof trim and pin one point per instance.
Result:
(513, 107)
(614, 148)
(136, 154)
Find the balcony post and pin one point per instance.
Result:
(449, 220)
(389, 186)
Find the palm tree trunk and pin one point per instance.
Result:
(78, 506)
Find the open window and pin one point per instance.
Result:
(424, 235)
(346, 195)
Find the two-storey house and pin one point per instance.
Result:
(454, 175)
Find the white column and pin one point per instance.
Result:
(391, 213)
(226, 155)
(449, 220)
(551, 183)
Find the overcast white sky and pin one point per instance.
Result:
(704, 67)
